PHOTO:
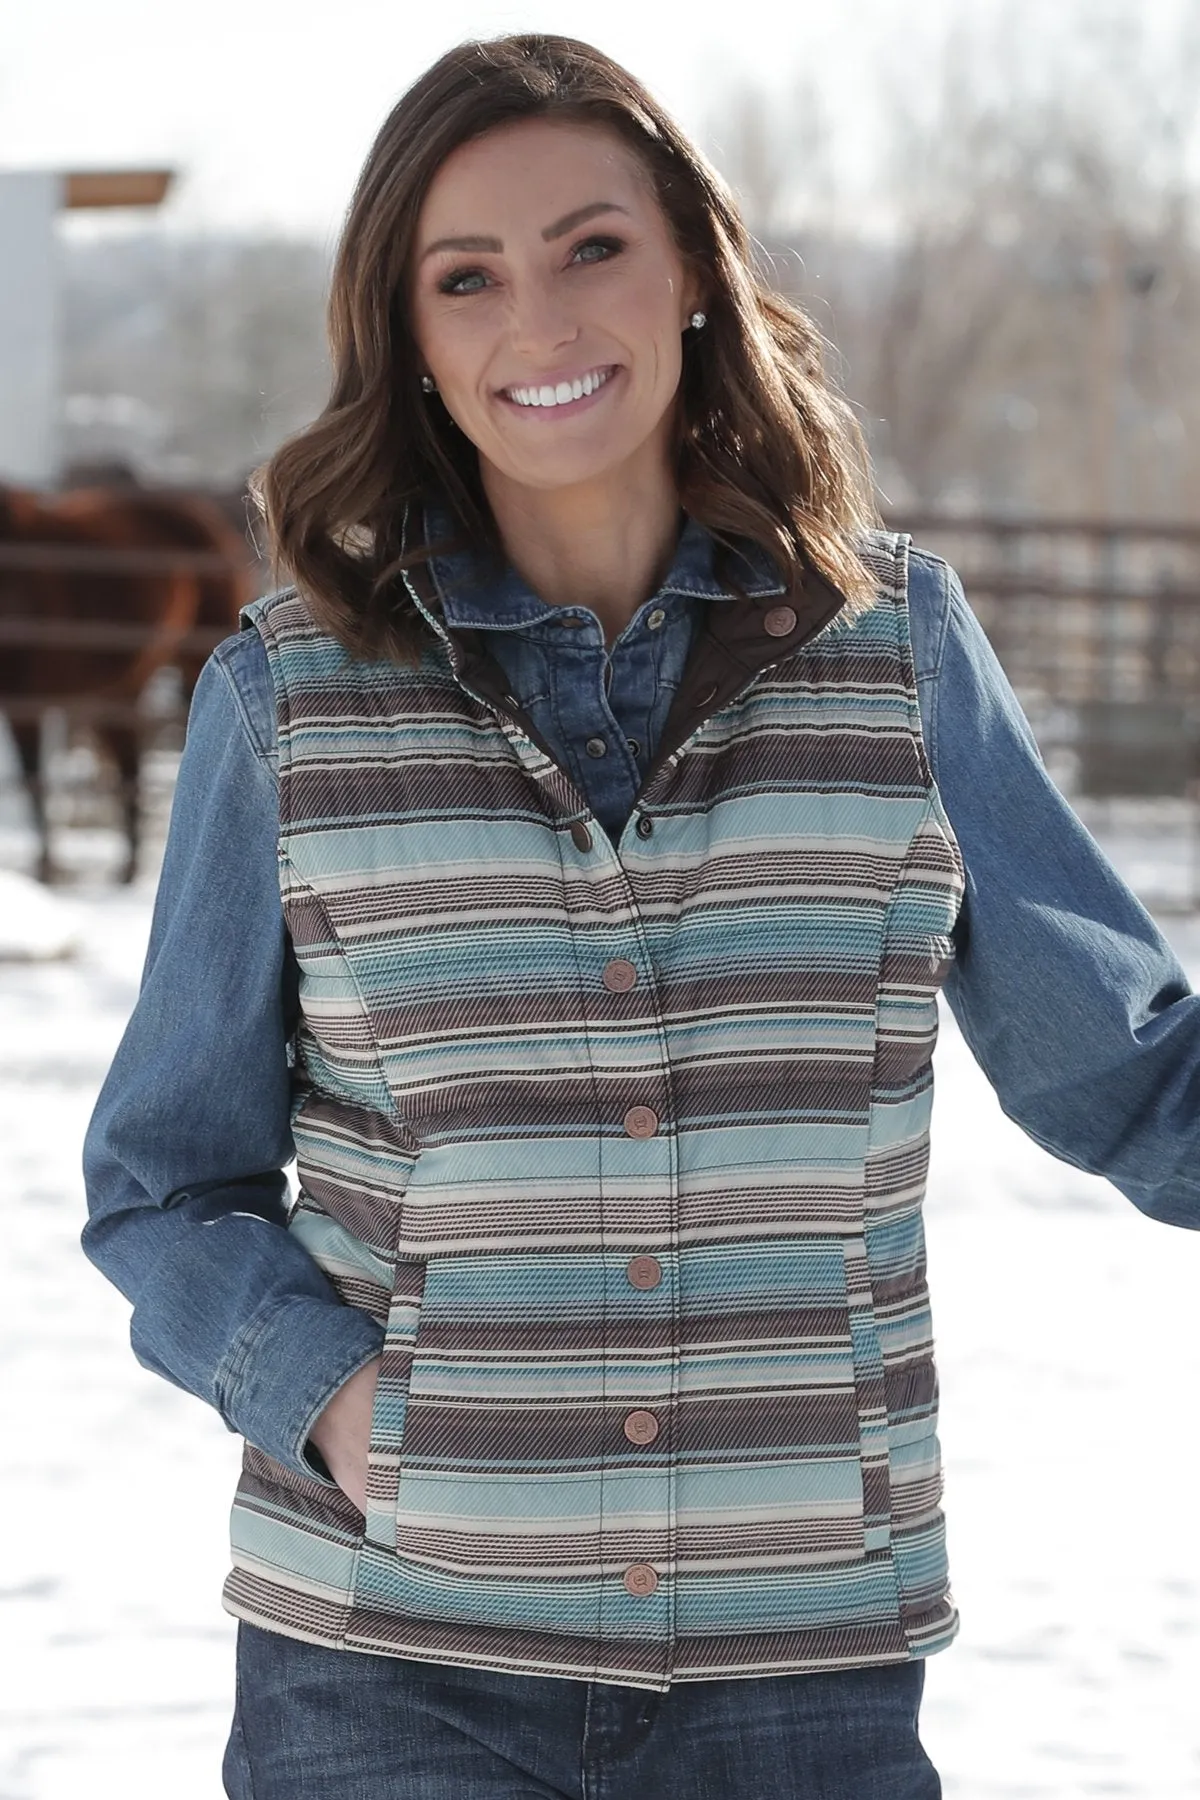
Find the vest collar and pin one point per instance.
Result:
(731, 646)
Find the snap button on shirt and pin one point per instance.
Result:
(656, 620)
(779, 621)
(644, 826)
(581, 837)
(641, 1428)
(641, 1122)
(640, 1579)
(619, 976)
(643, 1272)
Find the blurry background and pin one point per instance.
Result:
(992, 210)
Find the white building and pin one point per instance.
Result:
(30, 202)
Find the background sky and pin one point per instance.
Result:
(267, 108)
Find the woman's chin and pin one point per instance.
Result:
(562, 466)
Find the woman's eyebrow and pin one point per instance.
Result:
(493, 244)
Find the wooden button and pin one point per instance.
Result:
(581, 837)
(780, 621)
(641, 1427)
(643, 1272)
(640, 1580)
(641, 1122)
(619, 976)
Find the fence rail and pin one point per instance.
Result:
(1096, 623)
(91, 559)
(98, 634)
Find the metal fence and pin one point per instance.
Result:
(1097, 626)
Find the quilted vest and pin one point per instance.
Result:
(624, 1146)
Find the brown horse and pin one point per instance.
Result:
(100, 589)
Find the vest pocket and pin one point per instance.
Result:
(391, 1401)
(871, 1398)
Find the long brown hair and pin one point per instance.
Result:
(764, 448)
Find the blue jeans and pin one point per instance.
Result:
(318, 1724)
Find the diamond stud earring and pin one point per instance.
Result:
(698, 321)
(428, 384)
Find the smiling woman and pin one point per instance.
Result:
(567, 867)
(530, 223)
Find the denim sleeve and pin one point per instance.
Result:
(184, 1156)
(1068, 995)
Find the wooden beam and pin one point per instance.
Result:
(116, 187)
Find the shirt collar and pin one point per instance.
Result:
(470, 602)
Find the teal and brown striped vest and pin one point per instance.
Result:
(625, 1148)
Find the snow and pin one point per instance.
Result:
(34, 923)
(1072, 1466)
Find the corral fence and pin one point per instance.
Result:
(1097, 626)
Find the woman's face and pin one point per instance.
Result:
(549, 302)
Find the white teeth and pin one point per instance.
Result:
(563, 393)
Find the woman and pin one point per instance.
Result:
(568, 865)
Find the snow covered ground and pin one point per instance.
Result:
(1073, 1466)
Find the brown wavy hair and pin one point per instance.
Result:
(764, 448)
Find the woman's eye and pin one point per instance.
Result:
(453, 283)
(607, 246)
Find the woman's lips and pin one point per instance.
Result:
(565, 408)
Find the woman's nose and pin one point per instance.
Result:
(541, 322)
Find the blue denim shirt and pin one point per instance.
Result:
(1065, 990)
(603, 711)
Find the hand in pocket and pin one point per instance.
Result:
(342, 1432)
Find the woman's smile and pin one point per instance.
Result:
(567, 396)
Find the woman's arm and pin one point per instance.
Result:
(184, 1156)
(1064, 988)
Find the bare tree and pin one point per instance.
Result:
(1011, 291)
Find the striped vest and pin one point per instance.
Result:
(625, 1149)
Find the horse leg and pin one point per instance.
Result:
(27, 736)
(125, 743)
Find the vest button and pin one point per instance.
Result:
(780, 621)
(581, 837)
(619, 976)
(640, 1580)
(643, 1272)
(644, 826)
(596, 747)
(641, 1122)
(641, 1427)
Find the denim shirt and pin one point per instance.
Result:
(603, 711)
(1066, 992)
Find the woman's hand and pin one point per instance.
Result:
(342, 1432)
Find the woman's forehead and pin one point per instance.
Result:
(532, 166)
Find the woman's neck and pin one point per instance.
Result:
(607, 545)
